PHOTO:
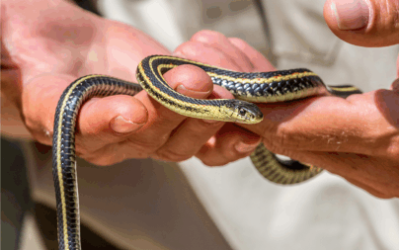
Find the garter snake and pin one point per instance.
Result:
(274, 86)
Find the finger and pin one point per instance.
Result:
(331, 124)
(229, 144)
(361, 22)
(375, 175)
(395, 86)
(39, 100)
(258, 60)
(205, 54)
(108, 120)
(187, 139)
(162, 121)
(378, 176)
(220, 42)
(152, 122)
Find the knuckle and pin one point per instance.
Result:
(104, 157)
(43, 136)
(205, 127)
(275, 148)
(238, 42)
(170, 155)
(103, 161)
(392, 150)
(230, 155)
(225, 157)
(151, 146)
(391, 18)
(88, 154)
(191, 49)
(41, 133)
(148, 144)
(207, 36)
(187, 48)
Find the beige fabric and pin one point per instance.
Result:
(143, 204)
(172, 22)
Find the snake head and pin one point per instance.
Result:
(243, 112)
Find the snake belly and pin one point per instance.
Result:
(277, 86)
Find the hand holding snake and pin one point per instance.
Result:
(371, 162)
(353, 147)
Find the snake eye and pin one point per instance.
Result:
(242, 111)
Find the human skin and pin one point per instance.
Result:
(56, 42)
(368, 23)
(357, 137)
(48, 44)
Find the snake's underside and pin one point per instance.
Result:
(277, 86)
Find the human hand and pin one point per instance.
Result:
(48, 44)
(215, 49)
(368, 23)
(356, 138)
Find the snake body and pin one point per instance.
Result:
(277, 86)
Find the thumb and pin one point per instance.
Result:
(369, 23)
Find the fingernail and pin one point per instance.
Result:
(350, 14)
(123, 126)
(242, 147)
